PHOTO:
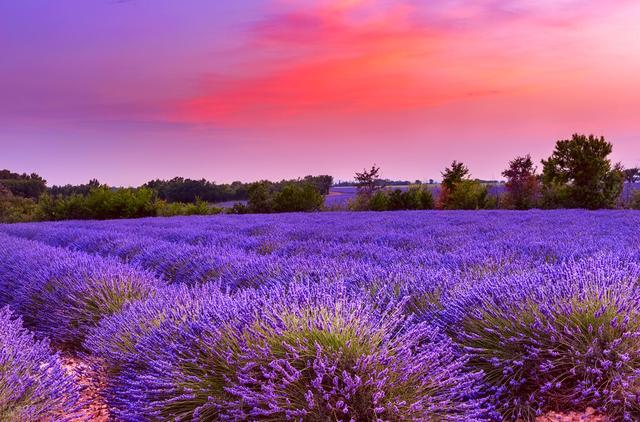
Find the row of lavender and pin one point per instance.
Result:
(395, 316)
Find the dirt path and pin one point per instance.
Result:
(588, 415)
(95, 408)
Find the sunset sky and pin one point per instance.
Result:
(130, 90)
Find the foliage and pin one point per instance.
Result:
(184, 190)
(415, 198)
(260, 197)
(315, 352)
(100, 204)
(379, 201)
(632, 175)
(180, 189)
(563, 341)
(522, 183)
(69, 190)
(466, 195)
(33, 383)
(14, 209)
(62, 294)
(23, 185)
(368, 181)
(266, 197)
(297, 198)
(452, 176)
(635, 200)
(322, 183)
(579, 174)
(460, 192)
(200, 207)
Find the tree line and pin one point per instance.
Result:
(578, 174)
(27, 198)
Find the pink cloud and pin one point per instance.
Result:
(356, 58)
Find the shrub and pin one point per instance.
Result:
(15, 209)
(33, 384)
(313, 352)
(379, 201)
(199, 207)
(467, 195)
(297, 198)
(563, 342)
(61, 294)
(100, 204)
(635, 200)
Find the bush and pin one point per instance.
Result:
(563, 342)
(314, 352)
(635, 200)
(179, 208)
(379, 201)
(15, 209)
(33, 384)
(298, 198)
(62, 294)
(415, 198)
(467, 195)
(101, 203)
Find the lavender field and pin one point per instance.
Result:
(398, 316)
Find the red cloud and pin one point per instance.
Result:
(337, 61)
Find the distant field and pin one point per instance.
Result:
(474, 316)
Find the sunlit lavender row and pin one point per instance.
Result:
(454, 316)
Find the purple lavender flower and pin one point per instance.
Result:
(304, 351)
(33, 384)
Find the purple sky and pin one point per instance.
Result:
(127, 91)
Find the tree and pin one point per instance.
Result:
(522, 183)
(322, 182)
(579, 175)
(632, 175)
(453, 175)
(260, 200)
(23, 185)
(453, 178)
(368, 181)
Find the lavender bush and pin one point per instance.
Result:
(565, 338)
(33, 384)
(62, 294)
(294, 316)
(302, 352)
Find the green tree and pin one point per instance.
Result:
(579, 174)
(632, 175)
(522, 183)
(23, 185)
(260, 197)
(453, 175)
